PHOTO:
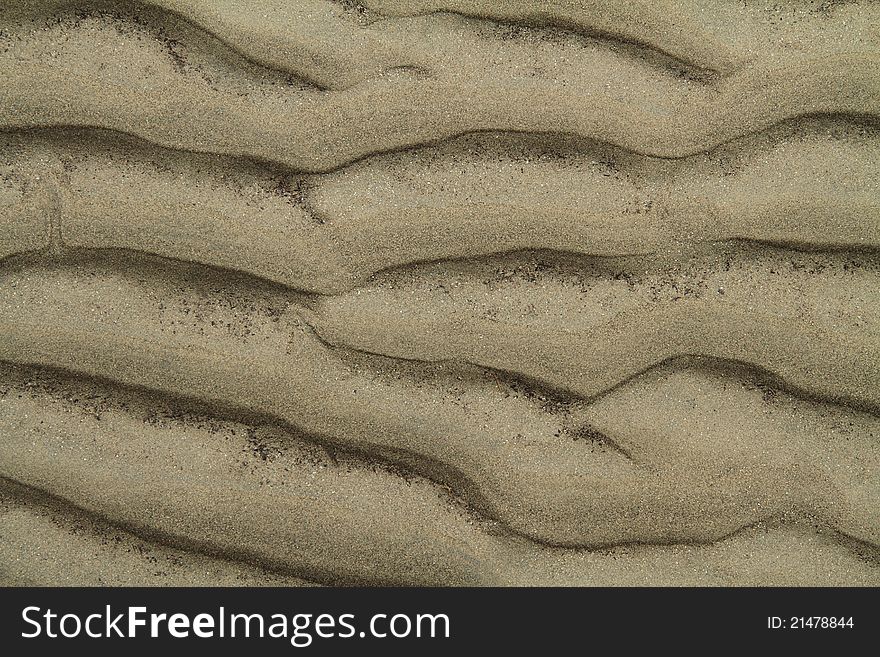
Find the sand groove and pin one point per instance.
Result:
(202, 100)
(270, 484)
(65, 546)
(811, 186)
(490, 432)
(339, 44)
(805, 317)
(698, 34)
(436, 292)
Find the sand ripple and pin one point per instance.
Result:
(439, 292)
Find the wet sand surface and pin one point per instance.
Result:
(431, 292)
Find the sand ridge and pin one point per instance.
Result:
(809, 186)
(509, 440)
(270, 485)
(335, 44)
(209, 101)
(425, 292)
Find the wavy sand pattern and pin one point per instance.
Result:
(431, 292)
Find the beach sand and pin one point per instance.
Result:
(432, 292)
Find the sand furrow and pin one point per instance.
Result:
(535, 462)
(813, 185)
(718, 34)
(45, 542)
(584, 325)
(270, 499)
(318, 41)
(183, 97)
(337, 45)
(433, 292)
